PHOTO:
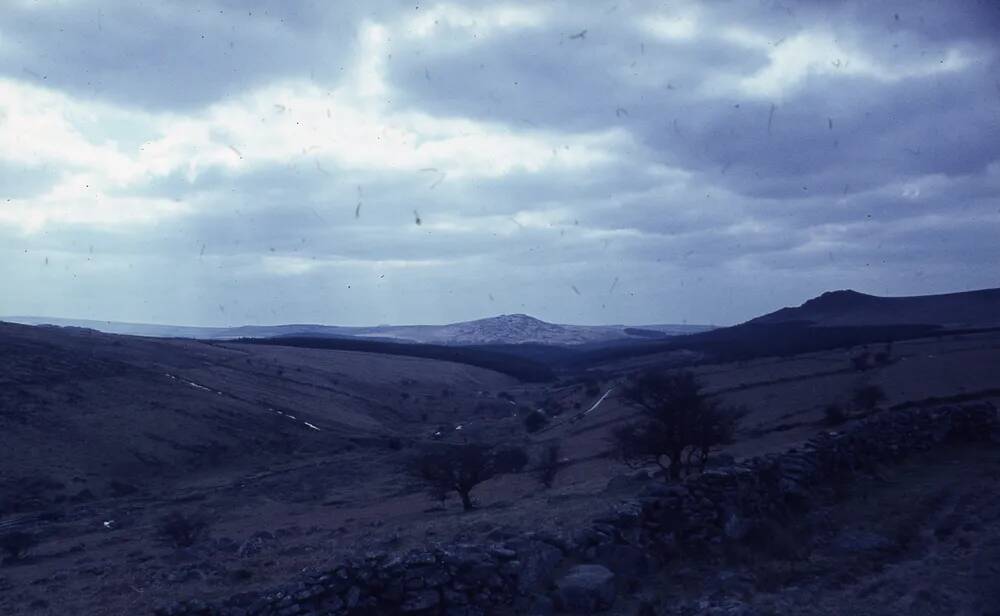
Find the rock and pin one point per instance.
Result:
(626, 561)
(226, 545)
(255, 544)
(721, 460)
(352, 598)
(658, 489)
(539, 605)
(538, 560)
(853, 541)
(422, 601)
(503, 553)
(586, 589)
(735, 527)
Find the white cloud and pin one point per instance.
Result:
(671, 28)
(479, 23)
(351, 128)
(283, 265)
(816, 52)
(37, 127)
(70, 202)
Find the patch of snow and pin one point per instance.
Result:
(599, 401)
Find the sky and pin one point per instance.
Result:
(226, 163)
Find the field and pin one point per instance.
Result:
(296, 456)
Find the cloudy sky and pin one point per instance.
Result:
(588, 162)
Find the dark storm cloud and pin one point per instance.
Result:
(175, 55)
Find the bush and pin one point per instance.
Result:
(535, 421)
(181, 530)
(834, 415)
(868, 397)
(460, 468)
(17, 545)
(553, 408)
(861, 362)
(549, 465)
(884, 357)
(682, 424)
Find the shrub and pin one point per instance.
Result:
(681, 424)
(867, 397)
(553, 408)
(549, 466)
(182, 530)
(834, 415)
(884, 357)
(861, 361)
(535, 421)
(17, 545)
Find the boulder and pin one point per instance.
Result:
(585, 589)
(851, 541)
(256, 544)
(420, 602)
(626, 561)
(538, 560)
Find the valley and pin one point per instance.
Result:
(293, 458)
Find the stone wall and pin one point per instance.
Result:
(515, 576)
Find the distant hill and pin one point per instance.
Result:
(524, 329)
(503, 329)
(836, 319)
(850, 308)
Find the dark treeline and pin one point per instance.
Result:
(541, 363)
(751, 340)
(516, 366)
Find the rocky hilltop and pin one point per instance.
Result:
(851, 308)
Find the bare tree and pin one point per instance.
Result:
(680, 426)
(459, 468)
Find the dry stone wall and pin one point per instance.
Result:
(517, 575)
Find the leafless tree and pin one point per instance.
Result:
(460, 468)
(680, 424)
